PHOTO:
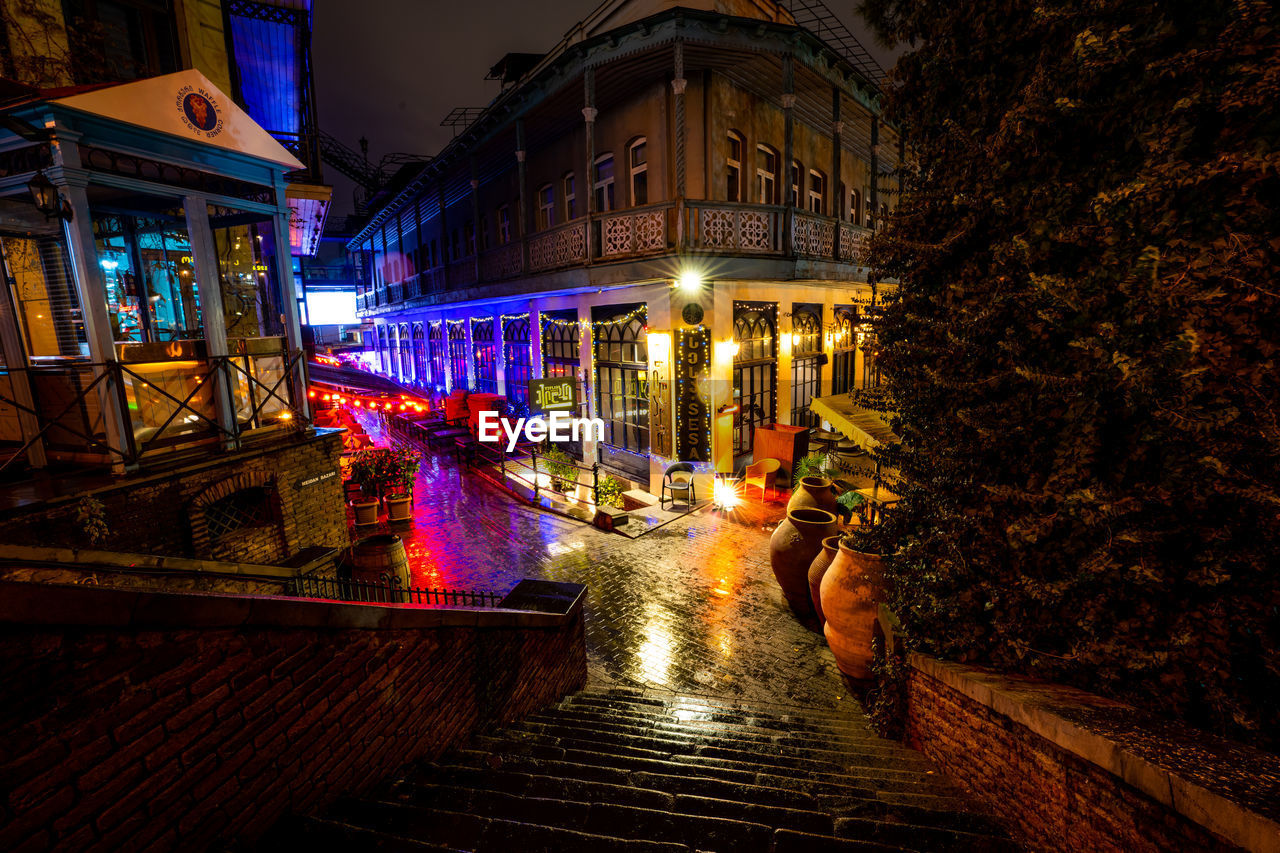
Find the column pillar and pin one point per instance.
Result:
(292, 325)
(204, 252)
(589, 118)
(535, 338)
(788, 151)
(91, 289)
(678, 85)
(874, 218)
(837, 203)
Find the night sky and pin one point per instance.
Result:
(390, 70)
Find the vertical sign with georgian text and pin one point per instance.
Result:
(693, 417)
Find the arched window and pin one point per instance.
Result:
(561, 357)
(547, 206)
(602, 183)
(817, 198)
(766, 175)
(406, 354)
(482, 348)
(755, 371)
(517, 356)
(458, 356)
(844, 363)
(733, 167)
(622, 392)
(806, 367)
(855, 207)
(796, 197)
(638, 162)
(504, 225)
(436, 349)
(570, 198)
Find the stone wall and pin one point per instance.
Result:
(1069, 771)
(185, 721)
(166, 513)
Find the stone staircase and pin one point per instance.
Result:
(633, 771)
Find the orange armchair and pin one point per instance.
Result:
(762, 474)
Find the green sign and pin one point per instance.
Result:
(553, 395)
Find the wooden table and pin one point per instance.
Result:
(878, 499)
(828, 439)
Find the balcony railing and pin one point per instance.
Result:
(644, 231)
(164, 405)
(735, 228)
(704, 226)
(560, 247)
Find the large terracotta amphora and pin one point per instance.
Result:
(817, 569)
(812, 492)
(850, 594)
(794, 544)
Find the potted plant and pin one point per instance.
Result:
(399, 467)
(851, 592)
(364, 472)
(559, 466)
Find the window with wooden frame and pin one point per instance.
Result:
(638, 162)
(733, 167)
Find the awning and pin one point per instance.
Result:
(866, 428)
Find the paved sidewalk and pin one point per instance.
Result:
(691, 607)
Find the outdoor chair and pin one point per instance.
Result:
(762, 474)
(678, 479)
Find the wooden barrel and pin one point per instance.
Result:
(378, 557)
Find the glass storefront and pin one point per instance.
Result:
(252, 301)
(147, 269)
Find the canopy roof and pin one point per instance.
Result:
(867, 428)
(186, 105)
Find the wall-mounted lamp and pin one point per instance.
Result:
(46, 197)
(728, 409)
(690, 280)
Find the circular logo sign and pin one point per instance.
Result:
(692, 313)
(199, 111)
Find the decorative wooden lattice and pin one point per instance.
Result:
(564, 246)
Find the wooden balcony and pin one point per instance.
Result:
(741, 230)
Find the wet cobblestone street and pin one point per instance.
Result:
(690, 607)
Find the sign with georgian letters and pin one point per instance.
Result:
(553, 395)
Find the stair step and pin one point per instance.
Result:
(727, 746)
(718, 713)
(616, 769)
(556, 748)
(492, 835)
(631, 724)
(321, 835)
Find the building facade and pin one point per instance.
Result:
(670, 210)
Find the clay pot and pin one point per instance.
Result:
(818, 568)
(850, 594)
(813, 492)
(794, 544)
(400, 508)
(366, 511)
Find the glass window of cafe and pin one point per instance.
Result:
(148, 271)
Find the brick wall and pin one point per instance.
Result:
(164, 513)
(149, 733)
(1049, 797)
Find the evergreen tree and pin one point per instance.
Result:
(1083, 345)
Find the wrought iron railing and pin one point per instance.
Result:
(67, 407)
(388, 592)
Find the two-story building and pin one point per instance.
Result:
(669, 208)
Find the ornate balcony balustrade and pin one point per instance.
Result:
(751, 230)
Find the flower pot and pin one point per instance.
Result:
(813, 492)
(850, 594)
(818, 568)
(366, 511)
(794, 544)
(400, 508)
